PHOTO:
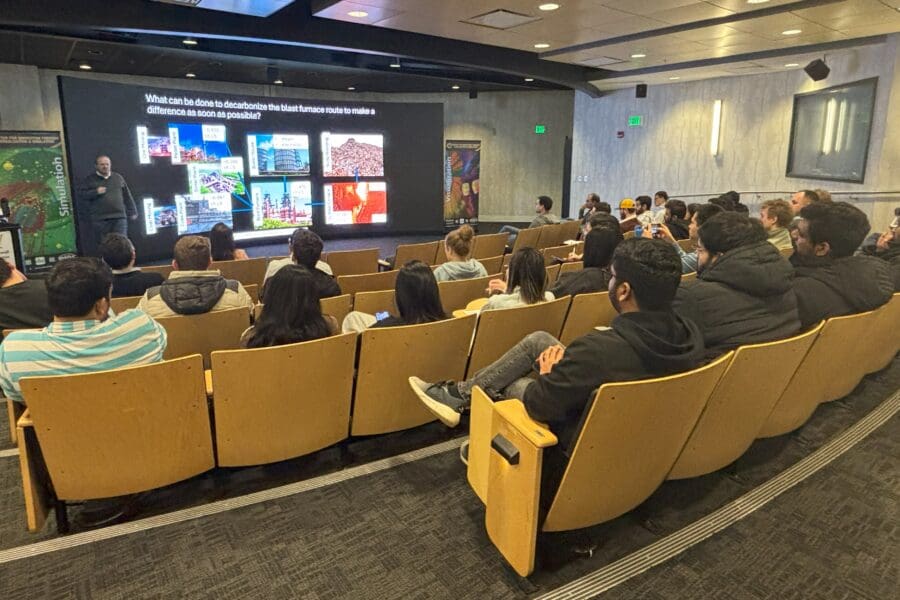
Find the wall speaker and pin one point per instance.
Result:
(640, 91)
(473, 94)
(817, 70)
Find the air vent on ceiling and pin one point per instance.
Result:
(254, 8)
(501, 19)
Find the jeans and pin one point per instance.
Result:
(507, 377)
(105, 226)
(512, 231)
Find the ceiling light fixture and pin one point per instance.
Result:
(757, 1)
(548, 6)
(675, 78)
(190, 75)
(278, 82)
(85, 66)
(638, 55)
(529, 79)
(395, 64)
(189, 42)
(790, 65)
(454, 87)
(541, 45)
(358, 14)
(716, 128)
(791, 31)
(351, 88)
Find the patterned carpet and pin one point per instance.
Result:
(416, 531)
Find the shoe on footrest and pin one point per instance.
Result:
(442, 399)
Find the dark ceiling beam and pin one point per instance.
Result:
(652, 33)
(749, 56)
(292, 26)
(317, 6)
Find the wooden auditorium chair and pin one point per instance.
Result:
(369, 282)
(488, 245)
(337, 306)
(492, 264)
(457, 294)
(123, 303)
(552, 274)
(202, 334)
(549, 236)
(587, 312)
(568, 231)
(426, 253)
(375, 302)
(352, 262)
(528, 238)
(555, 252)
(250, 271)
(884, 339)
(570, 267)
(163, 270)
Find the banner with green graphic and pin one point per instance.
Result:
(33, 178)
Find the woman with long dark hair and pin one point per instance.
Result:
(599, 245)
(221, 241)
(526, 282)
(291, 313)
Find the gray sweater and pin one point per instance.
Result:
(116, 203)
(451, 271)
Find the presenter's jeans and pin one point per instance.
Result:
(105, 226)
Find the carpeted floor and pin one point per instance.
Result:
(417, 531)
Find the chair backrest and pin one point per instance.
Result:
(138, 428)
(570, 267)
(549, 236)
(123, 303)
(568, 230)
(686, 245)
(297, 400)
(163, 270)
(787, 252)
(337, 306)
(375, 302)
(426, 252)
(456, 294)
(689, 276)
(631, 437)
(830, 353)
(249, 272)
(741, 403)
(492, 244)
(587, 311)
(492, 264)
(884, 340)
(370, 282)
(528, 238)
(252, 290)
(202, 334)
(499, 330)
(352, 262)
(555, 252)
(388, 356)
(552, 274)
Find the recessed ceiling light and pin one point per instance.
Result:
(541, 45)
(278, 82)
(351, 88)
(548, 6)
(189, 42)
(454, 87)
(529, 79)
(85, 67)
(358, 14)
(190, 75)
(639, 55)
(395, 64)
(791, 31)
(757, 1)
(675, 78)
(789, 65)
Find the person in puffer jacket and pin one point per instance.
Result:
(830, 281)
(743, 293)
(192, 288)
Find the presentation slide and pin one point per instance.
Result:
(261, 165)
(352, 155)
(282, 204)
(278, 154)
(352, 203)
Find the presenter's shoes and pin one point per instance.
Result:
(442, 399)
(100, 513)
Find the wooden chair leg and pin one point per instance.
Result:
(62, 517)
(38, 498)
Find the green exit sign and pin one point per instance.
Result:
(635, 121)
(539, 129)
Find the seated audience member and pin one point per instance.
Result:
(415, 296)
(886, 246)
(543, 217)
(192, 288)
(525, 283)
(823, 195)
(23, 301)
(829, 280)
(598, 221)
(292, 312)
(221, 240)
(659, 210)
(118, 252)
(743, 292)
(599, 245)
(691, 209)
(689, 259)
(724, 202)
(589, 206)
(306, 251)
(603, 207)
(644, 205)
(674, 218)
(735, 200)
(82, 337)
(776, 216)
(628, 219)
(458, 247)
(647, 339)
(801, 199)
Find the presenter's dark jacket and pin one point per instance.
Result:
(828, 287)
(24, 305)
(134, 283)
(116, 203)
(745, 297)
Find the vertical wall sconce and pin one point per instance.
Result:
(716, 128)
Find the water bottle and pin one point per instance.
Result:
(638, 231)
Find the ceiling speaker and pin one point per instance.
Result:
(640, 91)
(817, 70)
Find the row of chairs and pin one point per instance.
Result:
(638, 434)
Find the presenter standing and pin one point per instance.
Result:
(109, 200)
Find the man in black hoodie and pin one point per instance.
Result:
(830, 281)
(743, 293)
(647, 339)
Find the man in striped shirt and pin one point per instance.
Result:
(83, 337)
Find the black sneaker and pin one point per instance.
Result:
(441, 399)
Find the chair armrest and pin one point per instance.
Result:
(513, 411)
(207, 376)
(25, 419)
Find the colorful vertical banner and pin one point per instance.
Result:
(33, 178)
(462, 174)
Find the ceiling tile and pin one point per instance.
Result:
(647, 7)
(688, 14)
(339, 12)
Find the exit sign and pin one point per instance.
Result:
(635, 121)
(539, 129)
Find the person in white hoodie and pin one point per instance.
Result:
(458, 247)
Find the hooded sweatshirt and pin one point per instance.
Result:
(638, 345)
(745, 297)
(466, 269)
(828, 287)
(194, 293)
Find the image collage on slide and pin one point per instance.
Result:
(354, 155)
